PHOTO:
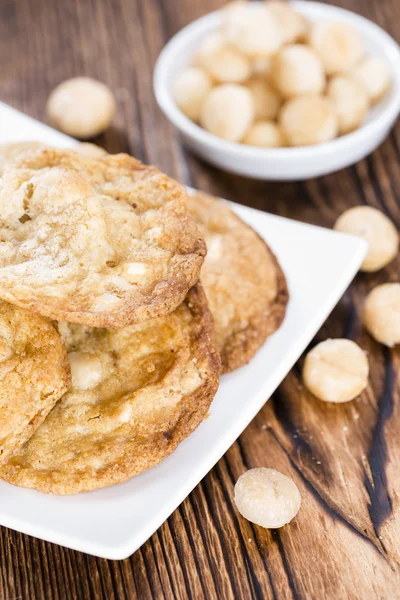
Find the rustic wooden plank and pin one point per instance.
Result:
(345, 542)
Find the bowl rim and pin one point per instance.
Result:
(383, 119)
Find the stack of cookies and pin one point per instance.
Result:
(115, 325)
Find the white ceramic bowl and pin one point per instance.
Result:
(281, 163)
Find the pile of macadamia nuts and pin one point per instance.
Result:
(337, 370)
(270, 78)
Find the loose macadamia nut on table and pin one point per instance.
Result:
(308, 120)
(374, 227)
(293, 24)
(228, 112)
(336, 370)
(339, 45)
(81, 107)
(373, 73)
(190, 90)
(267, 498)
(350, 100)
(382, 313)
(297, 70)
(264, 134)
(222, 61)
(252, 28)
(266, 101)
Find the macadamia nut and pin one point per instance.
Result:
(308, 120)
(264, 134)
(267, 498)
(374, 227)
(374, 74)
(222, 61)
(228, 112)
(81, 107)
(339, 45)
(261, 67)
(252, 29)
(382, 313)
(350, 100)
(266, 101)
(297, 70)
(190, 90)
(293, 24)
(336, 370)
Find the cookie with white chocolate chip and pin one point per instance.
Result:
(245, 285)
(104, 242)
(136, 394)
(34, 374)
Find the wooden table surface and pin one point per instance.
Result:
(345, 541)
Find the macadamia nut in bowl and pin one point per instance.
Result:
(304, 117)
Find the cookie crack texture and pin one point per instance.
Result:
(104, 241)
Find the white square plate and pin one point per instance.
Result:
(114, 522)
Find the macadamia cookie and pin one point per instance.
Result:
(382, 313)
(267, 498)
(136, 394)
(81, 107)
(245, 286)
(374, 227)
(34, 374)
(104, 242)
(336, 370)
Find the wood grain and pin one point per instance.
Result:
(345, 542)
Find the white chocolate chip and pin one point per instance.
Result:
(105, 302)
(126, 414)
(86, 370)
(267, 497)
(133, 271)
